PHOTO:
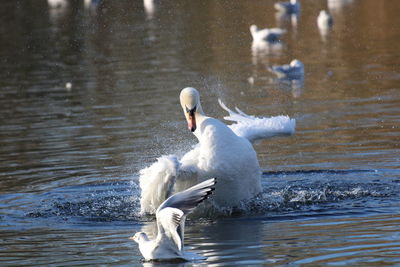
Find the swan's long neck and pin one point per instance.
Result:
(199, 110)
(200, 117)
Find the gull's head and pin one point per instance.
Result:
(296, 63)
(323, 13)
(253, 28)
(190, 102)
(139, 237)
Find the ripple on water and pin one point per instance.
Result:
(368, 240)
(283, 195)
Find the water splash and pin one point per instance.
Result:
(282, 193)
(301, 196)
(103, 202)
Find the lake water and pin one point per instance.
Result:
(89, 96)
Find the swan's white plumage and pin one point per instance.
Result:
(157, 182)
(253, 128)
(223, 152)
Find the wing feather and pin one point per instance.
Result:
(253, 128)
(171, 214)
(188, 199)
(168, 221)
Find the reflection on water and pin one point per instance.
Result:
(260, 50)
(284, 19)
(70, 154)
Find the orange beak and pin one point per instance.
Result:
(192, 123)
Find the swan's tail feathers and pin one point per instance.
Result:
(157, 182)
(253, 128)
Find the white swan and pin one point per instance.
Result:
(171, 215)
(266, 35)
(223, 152)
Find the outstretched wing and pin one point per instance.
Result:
(188, 199)
(281, 71)
(282, 68)
(172, 212)
(168, 222)
(253, 128)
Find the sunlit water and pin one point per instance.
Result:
(70, 154)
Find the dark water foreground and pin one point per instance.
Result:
(89, 96)
(301, 217)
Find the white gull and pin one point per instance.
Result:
(57, 3)
(324, 20)
(171, 215)
(266, 35)
(294, 70)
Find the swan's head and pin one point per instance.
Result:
(190, 102)
(139, 237)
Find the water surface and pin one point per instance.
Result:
(70, 157)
